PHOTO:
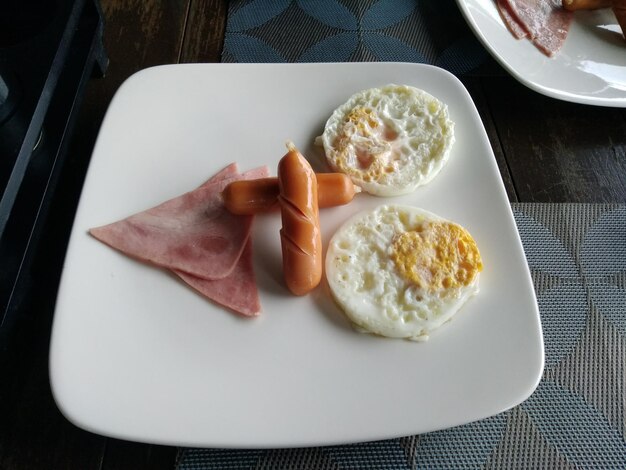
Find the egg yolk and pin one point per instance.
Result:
(437, 256)
(363, 146)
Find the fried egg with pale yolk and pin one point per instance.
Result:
(389, 140)
(400, 271)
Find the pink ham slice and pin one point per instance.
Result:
(238, 291)
(227, 172)
(545, 20)
(192, 233)
(516, 28)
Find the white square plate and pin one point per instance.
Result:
(137, 355)
(589, 69)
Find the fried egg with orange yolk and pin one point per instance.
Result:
(400, 271)
(389, 140)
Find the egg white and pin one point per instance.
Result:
(389, 140)
(366, 285)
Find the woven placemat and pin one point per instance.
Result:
(575, 418)
(425, 31)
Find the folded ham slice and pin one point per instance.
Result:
(238, 291)
(227, 172)
(546, 22)
(192, 233)
(515, 27)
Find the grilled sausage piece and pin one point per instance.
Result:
(300, 236)
(249, 197)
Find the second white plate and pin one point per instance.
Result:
(589, 69)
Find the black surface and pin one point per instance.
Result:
(58, 63)
(48, 72)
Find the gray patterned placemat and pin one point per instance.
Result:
(575, 418)
(422, 31)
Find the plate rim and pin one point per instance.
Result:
(578, 98)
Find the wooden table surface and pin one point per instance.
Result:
(547, 151)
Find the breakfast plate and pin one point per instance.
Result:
(589, 69)
(137, 355)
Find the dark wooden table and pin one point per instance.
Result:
(547, 151)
